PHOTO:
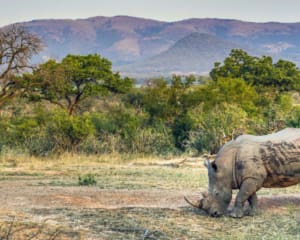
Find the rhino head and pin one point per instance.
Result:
(218, 197)
(219, 186)
(207, 204)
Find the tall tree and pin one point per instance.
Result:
(77, 78)
(17, 47)
(258, 71)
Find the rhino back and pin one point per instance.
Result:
(286, 134)
(281, 160)
(274, 158)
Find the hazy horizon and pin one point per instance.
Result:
(162, 10)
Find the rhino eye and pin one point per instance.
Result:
(214, 166)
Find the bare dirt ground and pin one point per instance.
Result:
(26, 194)
(148, 211)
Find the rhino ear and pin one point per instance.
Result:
(211, 167)
(207, 163)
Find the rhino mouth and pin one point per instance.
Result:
(202, 204)
(215, 214)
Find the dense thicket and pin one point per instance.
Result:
(81, 105)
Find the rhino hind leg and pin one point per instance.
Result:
(247, 192)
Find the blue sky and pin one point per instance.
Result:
(12, 11)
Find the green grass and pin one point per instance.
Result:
(133, 178)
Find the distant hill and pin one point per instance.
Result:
(195, 53)
(145, 42)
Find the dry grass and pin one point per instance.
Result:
(76, 211)
(14, 229)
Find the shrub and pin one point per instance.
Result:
(87, 180)
(65, 132)
(46, 133)
(217, 126)
(153, 140)
(181, 127)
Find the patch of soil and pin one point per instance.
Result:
(279, 203)
(17, 195)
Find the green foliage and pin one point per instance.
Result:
(156, 140)
(119, 120)
(75, 79)
(217, 126)
(23, 128)
(68, 132)
(244, 95)
(261, 72)
(229, 90)
(293, 119)
(87, 180)
(47, 132)
(181, 127)
(123, 130)
(162, 100)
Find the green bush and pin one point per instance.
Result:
(67, 132)
(124, 131)
(293, 119)
(181, 127)
(151, 140)
(22, 128)
(106, 143)
(56, 133)
(87, 180)
(217, 126)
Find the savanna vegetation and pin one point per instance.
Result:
(80, 105)
(64, 125)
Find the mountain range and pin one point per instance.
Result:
(144, 47)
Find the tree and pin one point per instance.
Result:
(75, 79)
(227, 90)
(260, 72)
(164, 100)
(17, 47)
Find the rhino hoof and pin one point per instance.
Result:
(249, 212)
(236, 213)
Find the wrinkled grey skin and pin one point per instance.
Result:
(249, 163)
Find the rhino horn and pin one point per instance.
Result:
(197, 204)
(205, 194)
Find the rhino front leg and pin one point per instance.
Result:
(251, 210)
(252, 204)
(246, 192)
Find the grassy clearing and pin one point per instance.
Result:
(164, 176)
(136, 173)
(139, 173)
